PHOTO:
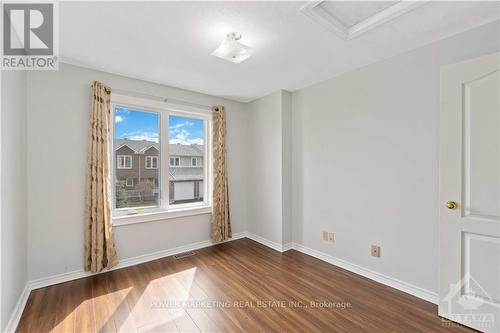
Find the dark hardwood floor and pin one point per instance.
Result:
(239, 286)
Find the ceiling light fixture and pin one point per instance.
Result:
(232, 50)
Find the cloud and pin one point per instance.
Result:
(180, 136)
(180, 125)
(138, 136)
(197, 141)
(119, 119)
(183, 137)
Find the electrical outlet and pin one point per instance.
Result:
(331, 237)
(325, 235)
(376, 251)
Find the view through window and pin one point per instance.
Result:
(138, 171)
(137, 181)
(186, 142)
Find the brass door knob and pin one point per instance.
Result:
(451, 204)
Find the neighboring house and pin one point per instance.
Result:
(137, 172)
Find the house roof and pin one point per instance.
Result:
(177, 149)
(176, 173)
(185, 150)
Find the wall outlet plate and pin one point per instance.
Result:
(376, 251)
(331, 237)
(325, 235)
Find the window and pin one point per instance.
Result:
(195, 161)
(174, 161)
(124, 161)
(151, 162)
(135, 133)
(151, 133)
(186, 139)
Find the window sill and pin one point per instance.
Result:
(157, 215)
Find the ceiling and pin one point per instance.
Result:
(170, 42)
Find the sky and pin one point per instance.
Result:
(140, 125)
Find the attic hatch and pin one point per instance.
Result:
(349, 19)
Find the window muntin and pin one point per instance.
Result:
(124, 161)
(137, 182)
(151, 162)
(168, 204)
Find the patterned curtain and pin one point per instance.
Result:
(99, 245)
(221, 226)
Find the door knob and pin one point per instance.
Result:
(451, 204)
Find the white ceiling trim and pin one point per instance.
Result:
(313, 10)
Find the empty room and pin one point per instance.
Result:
(250, 166)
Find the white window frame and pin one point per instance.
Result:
(124, 164)
(152, 164)
(126, 216)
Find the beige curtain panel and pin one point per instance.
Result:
(99, 245)
(221, 225)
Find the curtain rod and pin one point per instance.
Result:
(160, 98)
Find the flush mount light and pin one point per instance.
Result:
(232, 50)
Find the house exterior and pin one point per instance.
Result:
(137, 166)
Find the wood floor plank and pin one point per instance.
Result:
(65, 316)
(239, 286)
(103, 305)
(119, 290)
(84, 307)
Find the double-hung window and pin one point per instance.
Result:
(174, 161)
(151, 162)
(171, 146)
(124, 161)
(195, 161)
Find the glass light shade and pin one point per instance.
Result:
(233, 51)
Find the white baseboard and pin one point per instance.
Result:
(264, 241)
(372, 275)
(287, 246)
(18, 310)
(78, 274)
(64, 277)
(368, 273)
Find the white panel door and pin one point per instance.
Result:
(469, 277)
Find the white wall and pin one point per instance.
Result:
(13, 191)
(265, 167)
(286, 153)
(59, 106)
(268, 192)
(365, 159)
